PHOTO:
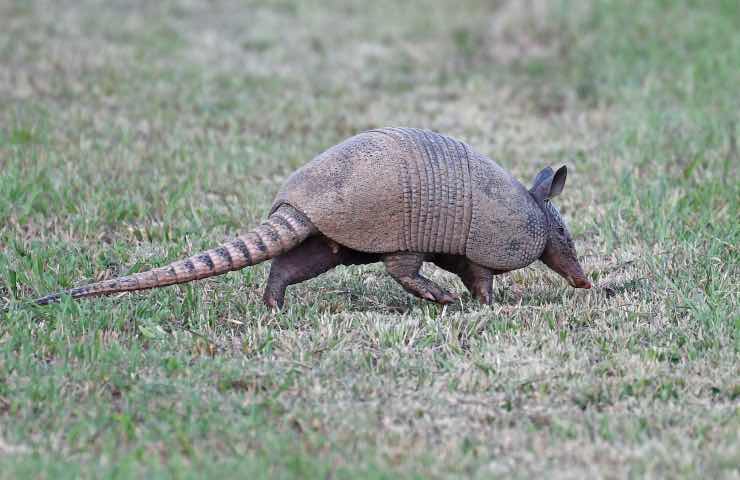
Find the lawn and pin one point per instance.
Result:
(136, 133)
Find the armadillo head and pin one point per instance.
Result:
(559, 253)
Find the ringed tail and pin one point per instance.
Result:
(283, 230)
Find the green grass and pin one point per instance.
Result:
(135, 134)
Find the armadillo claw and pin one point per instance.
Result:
(272, 302)
(483, 297)
(438, 295)
(447, 298)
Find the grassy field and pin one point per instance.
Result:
(135, 133)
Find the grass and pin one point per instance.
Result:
(137, 133)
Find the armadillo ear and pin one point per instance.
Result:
(542, 183)
(542, 176)
(558, 181)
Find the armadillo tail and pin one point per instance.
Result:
(283, 230)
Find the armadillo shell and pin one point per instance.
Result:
(403, 189)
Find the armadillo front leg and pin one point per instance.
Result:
(404, 268)
(477, 279)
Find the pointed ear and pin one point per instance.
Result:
(542, 176)
(558, 181)
(541, 185)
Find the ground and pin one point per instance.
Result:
(135, 133)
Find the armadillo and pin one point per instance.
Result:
(401, 196)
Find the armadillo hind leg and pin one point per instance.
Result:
(477, 279)
(310, 259)
(404, 268)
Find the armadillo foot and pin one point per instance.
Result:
(274, 299)
(404, 268)
(424, 288)
(479, 282)
(482, 293)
